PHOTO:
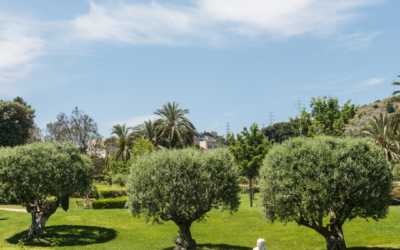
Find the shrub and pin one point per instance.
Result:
(103, 183)
(306, 180)
(375, 106)
(119, 179)
(109, 203)
(182, 186)
(112, 193)
(389, 108)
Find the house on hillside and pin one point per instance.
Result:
(207, 140)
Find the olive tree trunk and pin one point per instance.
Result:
(335, 240)
(251, 193)
(40, 217)
(184, 241)
(334, 237)
(39, 220)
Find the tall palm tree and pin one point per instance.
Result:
(123, 141)
(385, 132)
(396, 83)
(147, 130)
(175, 128)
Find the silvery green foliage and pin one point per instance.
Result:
(306, 180)
(36, 171)
(182, 185)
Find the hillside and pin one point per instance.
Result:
(372, 109)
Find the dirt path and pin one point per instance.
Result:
(14, 210)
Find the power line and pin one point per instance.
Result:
(271, 118)
(298, 107)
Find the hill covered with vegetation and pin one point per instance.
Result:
(386, 106)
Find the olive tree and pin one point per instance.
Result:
(182, 186)
(307, 180)
(37, 171)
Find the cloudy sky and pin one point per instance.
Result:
(224, 60)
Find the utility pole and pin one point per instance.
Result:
(271, 118)
(227, 129)
(298, 107)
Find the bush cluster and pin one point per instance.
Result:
(111, 193)
(109, 203)
(396, 195)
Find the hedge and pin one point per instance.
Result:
(111, 193)
(109, 203)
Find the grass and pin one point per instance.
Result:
(116, 229)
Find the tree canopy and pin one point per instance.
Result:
(182, 186)
(37, 171)
(16, 119)
(122, 142)
(384, 131)
(306, 180)
(78, 128)
(249, 149)
(278, 132)
(174, 127)
(326, 117)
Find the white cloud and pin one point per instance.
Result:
(156, 23)
(18, 50)
(373, 81)
(319, 86)
(134, 121)
(137, 23)
(361, 86)
(216, 125)
(357, 41)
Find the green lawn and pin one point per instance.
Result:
(116, 229)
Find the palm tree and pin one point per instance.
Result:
(123, 141)
(385, 132)
(396, 83)
(147, 130)
(175, 128)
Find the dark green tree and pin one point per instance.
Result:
(279, 132)
(249, 149)
(326, 117)
(16, 119)
(305, 180)
(390, 108)
(37, 171)
(182, 186)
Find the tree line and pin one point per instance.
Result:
(319, 173)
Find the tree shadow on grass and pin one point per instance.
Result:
(4, 218)
(373, 248)
(215, 247)
(68, 235)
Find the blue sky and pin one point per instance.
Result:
(224, 60)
